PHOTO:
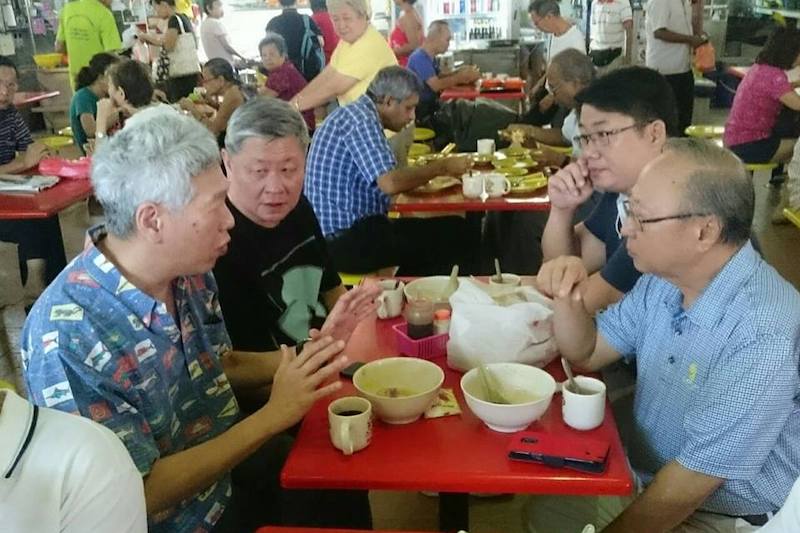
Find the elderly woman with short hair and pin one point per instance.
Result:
(284, 80)
(361, 53)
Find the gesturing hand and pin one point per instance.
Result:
(299, 380)
(350, 309)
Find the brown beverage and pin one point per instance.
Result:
(351, 412)
(420, 331)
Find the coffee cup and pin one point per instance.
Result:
(472, 186)
(497, 185)
(390, 301)
(586, 408)
(350, 423)
(486, 146)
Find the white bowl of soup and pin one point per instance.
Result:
(400, 389)
(528, 390)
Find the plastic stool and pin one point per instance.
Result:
(792, 216)
(423, 134)
(704, 131)
(757, 168)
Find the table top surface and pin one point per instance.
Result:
(452, 200)
(469, 92)
(31, 97)
(45, 203)
(449, 454)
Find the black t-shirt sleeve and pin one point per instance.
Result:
(619, 271)
(173, 23)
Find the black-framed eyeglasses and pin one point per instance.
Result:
(602, 137)
(638, 223)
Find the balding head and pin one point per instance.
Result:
(718, 184)
(437, 40)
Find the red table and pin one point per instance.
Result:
(454, 455)
(46, 203)
(469, 92)
(454, 201)
(32, 97)
(278, 529)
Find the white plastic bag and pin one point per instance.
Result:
(484, 331)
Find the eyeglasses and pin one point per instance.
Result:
(638, 223)
(601, 138)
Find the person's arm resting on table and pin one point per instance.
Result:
(674, 494)
(298, 384)
(404, 179)
(25, 160)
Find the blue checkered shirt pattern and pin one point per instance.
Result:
(717, 384)
(348, 155)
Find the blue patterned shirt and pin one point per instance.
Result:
(717, 384)
(97, 346)
(348, 154)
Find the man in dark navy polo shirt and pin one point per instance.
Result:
(625, 119)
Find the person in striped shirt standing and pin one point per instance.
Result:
(611, 34)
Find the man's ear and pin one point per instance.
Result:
(226, 160)
(658, 132)
(149, 222)
(709, 233)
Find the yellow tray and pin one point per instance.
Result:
(418, 149)
(424, 134)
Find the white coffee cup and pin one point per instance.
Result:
(497, 185)
(350, 423)
(586, 410)
(486, 146)
(390, 301)
(472, 186)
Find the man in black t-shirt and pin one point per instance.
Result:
(625, 119)
(277, 282)
(291, 25)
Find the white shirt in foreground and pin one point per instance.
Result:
(676, 16)
(74, 475)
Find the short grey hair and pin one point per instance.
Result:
(274, 39)
(361, 7)
(574, 66)
(542, 8)
(265, 118)
(393, 82)
(719, 185)
(152, 159)
(437, 25)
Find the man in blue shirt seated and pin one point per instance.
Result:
(131, 334)
(41, 248)
(714, 332)
(422, 62)
(625, 118)
(352, 174)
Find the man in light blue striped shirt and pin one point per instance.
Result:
(352, 173)
(714, 332)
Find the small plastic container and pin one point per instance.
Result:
(426, 348)
(441, 321)
(419, 318)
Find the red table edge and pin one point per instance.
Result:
(451, 94)
(283, 529)
(473, 205)
(40, 95)
(31, 212)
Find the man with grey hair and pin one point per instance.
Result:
(352, 174)
(131, 333)
(422, 63)
(277, 281)
(714, 332)
(568, 74)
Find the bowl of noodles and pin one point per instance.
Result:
(400, 389)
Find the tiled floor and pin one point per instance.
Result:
(398, 510)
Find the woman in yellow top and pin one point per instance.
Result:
(361, 53)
